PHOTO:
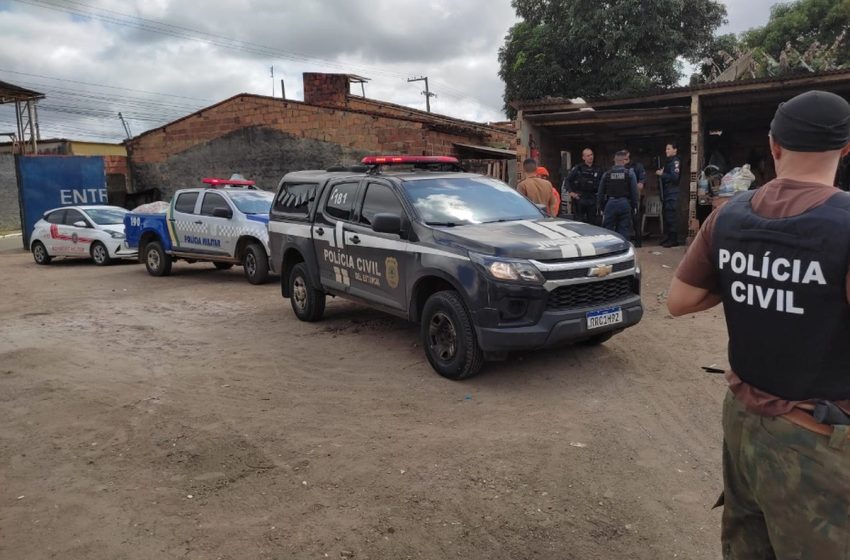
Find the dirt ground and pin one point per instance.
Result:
(194, 417)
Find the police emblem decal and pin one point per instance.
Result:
(392, 272)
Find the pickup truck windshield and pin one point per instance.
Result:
(468, 200)
(252, 202)
(106, 216)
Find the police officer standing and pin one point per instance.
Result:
(778, 260)
(618, 196)
(581, 185)
(640, 174)
(668, 179)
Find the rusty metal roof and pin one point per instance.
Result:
(11, 92)
(789, 81)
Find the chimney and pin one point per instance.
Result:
(325, 89)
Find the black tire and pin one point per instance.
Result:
(598, 339)
(157, 261)
(100, 254)
(255, 262)
(223, 265)
(448, 337)
(307, 302)
(40, 254)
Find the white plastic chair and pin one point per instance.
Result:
(654, 209)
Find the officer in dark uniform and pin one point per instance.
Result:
(581, 185)
(640, 174)
(618, 196)
(778, 260)
(668, 179)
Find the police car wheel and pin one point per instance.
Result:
(255, 262)
(223, 265)
(99, 254)
(448, 337)
(39, 253)
(156, 261)
(308, 303)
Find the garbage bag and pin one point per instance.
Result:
(159, 207)
(737, 180)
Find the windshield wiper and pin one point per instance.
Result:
(445, 224)
(500, 220)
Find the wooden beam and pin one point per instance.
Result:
(695, 166)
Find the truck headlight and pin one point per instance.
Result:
(511, 270)
(116, 235)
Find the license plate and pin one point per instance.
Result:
(604, 318)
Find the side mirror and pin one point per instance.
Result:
(80, 223)
(222, 213)
(386, 223)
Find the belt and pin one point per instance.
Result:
(799, 417)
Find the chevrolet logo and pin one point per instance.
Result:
(601, 271)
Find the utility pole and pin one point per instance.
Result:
(282, 89)
(126, 126)
(427, 93)
(272, 80)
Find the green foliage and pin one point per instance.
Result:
(585, 48)
(802, 23)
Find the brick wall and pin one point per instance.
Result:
(264, 138)
(325, 89)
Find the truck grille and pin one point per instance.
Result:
(591, 294)
(584, 272)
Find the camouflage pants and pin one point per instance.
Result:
(786, 489)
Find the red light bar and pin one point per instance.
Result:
(236, 182)
(398, 160)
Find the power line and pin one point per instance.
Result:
(218, 40)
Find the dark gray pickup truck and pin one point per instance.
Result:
(476, 264)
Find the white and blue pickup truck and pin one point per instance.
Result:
(225, 224)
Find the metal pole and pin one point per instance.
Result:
(37, 127)
(282, 90)
(20, 123)
(32, 128)
(427, 96)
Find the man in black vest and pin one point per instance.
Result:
(778, 260)
(640, 174)
(581, 185)
(618, 196)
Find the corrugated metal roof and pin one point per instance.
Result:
(789, 81)
(11, 92)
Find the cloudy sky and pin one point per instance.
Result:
(156, 60)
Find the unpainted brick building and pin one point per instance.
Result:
(264, 138)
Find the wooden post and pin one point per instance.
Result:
(695, 166)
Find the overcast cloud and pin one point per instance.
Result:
(195, 53)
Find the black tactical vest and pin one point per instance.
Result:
(617, 183)
(784, 293)
(587, 181)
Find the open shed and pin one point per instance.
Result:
(724, 122)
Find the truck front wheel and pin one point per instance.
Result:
(308, 303)
(448, 337)
(157, 261)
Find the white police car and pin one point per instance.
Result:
(95, 232)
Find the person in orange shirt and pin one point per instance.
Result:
(543, 173)
(537, 189)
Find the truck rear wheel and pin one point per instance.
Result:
(448, 337)
(157, 261)
(255, 262)
(308, 303)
